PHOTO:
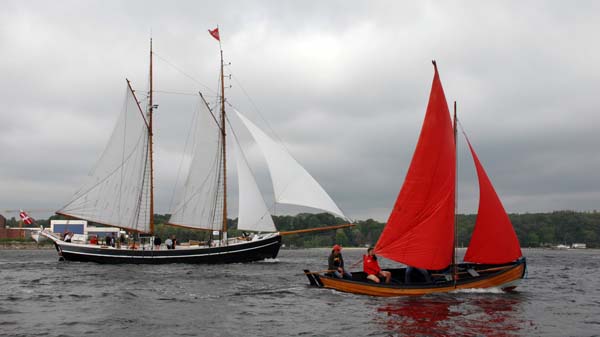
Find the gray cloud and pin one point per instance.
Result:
(343, 84)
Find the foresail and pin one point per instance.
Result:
(494, 239)
(198, 201)
(116, 192)
(253, 214)
(420, 229)
(292, 184)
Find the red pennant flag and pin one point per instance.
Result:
(215, 33)
(26, 219)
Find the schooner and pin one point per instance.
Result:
(120, 190)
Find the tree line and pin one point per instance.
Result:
(532, 229)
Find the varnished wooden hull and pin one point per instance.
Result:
(505, 278)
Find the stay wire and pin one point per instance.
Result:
(257, 110)
(184, 73)
(251, 172)
(185, 150)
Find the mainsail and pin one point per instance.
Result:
(253, 213)
(492, 225)
(420, 229)
(292, 184)
(117, 191)
(199, 198)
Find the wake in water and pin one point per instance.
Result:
(479, 291)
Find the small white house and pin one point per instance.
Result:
(80, 229)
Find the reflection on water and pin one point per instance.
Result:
(453, 315)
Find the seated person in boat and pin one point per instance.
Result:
(244, 237)
(416, 275)
(372, 269)
(336, 263)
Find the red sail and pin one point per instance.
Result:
(494, 239)
(420, 229)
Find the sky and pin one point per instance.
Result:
(343, 84)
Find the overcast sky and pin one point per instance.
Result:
(344, 84)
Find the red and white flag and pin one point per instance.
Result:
(26, 218)
(215, 33)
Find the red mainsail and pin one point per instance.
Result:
(494, 239)
(420, 229)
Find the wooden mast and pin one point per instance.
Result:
(454, 268)
(224, 146)
(150, 141)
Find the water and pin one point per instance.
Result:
(42, 297)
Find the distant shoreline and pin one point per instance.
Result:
(16, 245)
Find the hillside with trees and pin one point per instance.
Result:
(533, 229)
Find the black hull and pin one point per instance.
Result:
(243, 252)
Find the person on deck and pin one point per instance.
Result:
(169, 243)
(336, 263)
(174, 239)
(108, 240)
(372, 269)
(157, 242)
(68, 236)
(112, 239)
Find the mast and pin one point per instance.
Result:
(454, 268)
(223, 142)
(150, 141)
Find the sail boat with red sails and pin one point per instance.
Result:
(420, 231)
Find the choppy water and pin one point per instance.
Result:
(42, 297)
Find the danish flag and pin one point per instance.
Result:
(26, 219)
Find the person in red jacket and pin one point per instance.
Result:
(372, 269)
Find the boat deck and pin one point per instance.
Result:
(504, 276)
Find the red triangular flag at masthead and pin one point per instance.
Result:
(26, 219)
(215, 33)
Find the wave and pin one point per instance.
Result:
(480, 291)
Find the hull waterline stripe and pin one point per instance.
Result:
(169, 256)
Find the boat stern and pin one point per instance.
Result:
(313, 278)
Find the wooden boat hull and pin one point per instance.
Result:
(267, 247)
(505, 277)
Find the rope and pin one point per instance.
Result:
(183, 72)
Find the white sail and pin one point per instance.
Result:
(253, 214)
(291, 182)
(117, 190)
(199, 200)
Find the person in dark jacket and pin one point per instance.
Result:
(336, 263)
(157, 242)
